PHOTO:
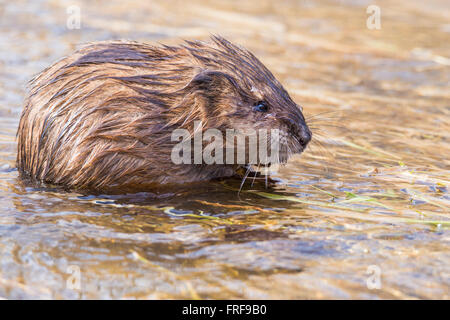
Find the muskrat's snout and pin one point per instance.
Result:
(305, 135)
(299, 130)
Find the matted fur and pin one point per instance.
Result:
(102, 117)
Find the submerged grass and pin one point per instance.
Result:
(353, 212)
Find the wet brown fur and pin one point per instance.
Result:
(102, 117)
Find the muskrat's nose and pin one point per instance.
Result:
(305, 135)
(300, 130)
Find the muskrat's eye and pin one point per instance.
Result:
(261, 106)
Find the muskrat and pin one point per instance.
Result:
(102, 117)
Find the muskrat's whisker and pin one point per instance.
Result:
(266, 176)
(320, 134)
(322, 137)
(318, 141)
(314, 128)
(317, 147)
(319, 123)
(315, 151)
(245, 177)
(322, 113)
(254, 176)
(337, 118)
(316, 120)
(324, 151)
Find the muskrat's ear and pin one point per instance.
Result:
(212, 83)
(209, 91)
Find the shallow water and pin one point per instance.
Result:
(364, 213)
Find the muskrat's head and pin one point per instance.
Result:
(236, 91)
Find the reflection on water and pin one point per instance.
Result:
(367, 206)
